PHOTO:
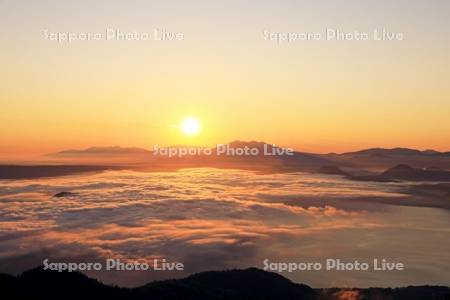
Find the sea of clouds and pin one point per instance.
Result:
(212, 219)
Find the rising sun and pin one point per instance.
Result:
(190, 126)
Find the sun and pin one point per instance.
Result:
(190, 126)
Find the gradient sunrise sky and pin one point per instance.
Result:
(312, 95)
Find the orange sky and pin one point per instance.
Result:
(316, 96)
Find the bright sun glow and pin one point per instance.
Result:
(190, 126)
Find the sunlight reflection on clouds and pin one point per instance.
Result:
(206, 218)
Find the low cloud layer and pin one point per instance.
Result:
(214, 219)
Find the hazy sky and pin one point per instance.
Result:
(312, 95)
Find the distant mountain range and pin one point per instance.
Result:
(378, 159)
(246, 284)
(376, 164)
(116, 150)
(396, 151)
(144, 159)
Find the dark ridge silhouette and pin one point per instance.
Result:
(115, 150)
(369, 161)
(406, 172)
(433, 152)
(396, 151)
(332, 170)
(250, 283)
(262, 162)
(36, 171)
(403, 172)
(65, 194)
(246, 284)
(44, 284)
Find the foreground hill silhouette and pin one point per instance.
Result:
(235, 284)
(247, 284)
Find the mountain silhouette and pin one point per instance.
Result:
(395, 152)
(114, 150)
(331, 170)
(250, 283)
(245, 284)
(36, 171)
(403, 172)
(406, 172)
(360, 165)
